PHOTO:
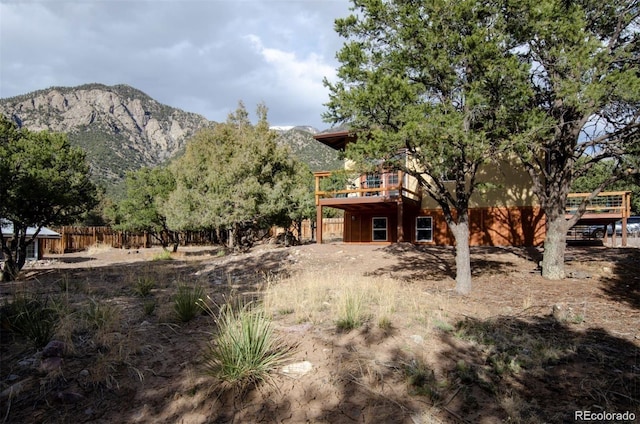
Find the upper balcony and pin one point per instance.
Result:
(367, 188)
(606, 206)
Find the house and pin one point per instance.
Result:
(35, 249)
(389, 206)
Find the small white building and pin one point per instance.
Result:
(34, 250)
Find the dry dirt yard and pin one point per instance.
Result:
(518, 349)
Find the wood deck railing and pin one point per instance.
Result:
(610, 203)
(387, 190)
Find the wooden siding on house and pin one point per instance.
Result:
(523, 226)
(511, 226)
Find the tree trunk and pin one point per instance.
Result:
(8, 270)
(11, 257)
(554, 248)
(463, 257)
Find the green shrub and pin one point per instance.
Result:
(186, 302)
(245, 349)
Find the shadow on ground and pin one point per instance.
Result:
(538, 370)
(418, 263)
(503, 369)
(624, 283)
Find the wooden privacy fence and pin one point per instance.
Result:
(331, 229)
(74, 239)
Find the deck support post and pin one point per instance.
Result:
(319, 224)
(400, 221)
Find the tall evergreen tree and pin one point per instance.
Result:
(235, 178)
(43, 181)
(585, 72)
(146, 191)
(434, 78)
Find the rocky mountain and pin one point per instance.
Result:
(303, 146)
(120, 127)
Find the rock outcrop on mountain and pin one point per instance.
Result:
(123, 129)
(120, 127)
(305, 148)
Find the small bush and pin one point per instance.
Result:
(32, 317)
(143, 286)
(245, 349)
(186, 302)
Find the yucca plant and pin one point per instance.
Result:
(245, 349)
(143, 286)
(31, 316)
(186, 302)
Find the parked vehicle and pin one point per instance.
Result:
(597, 231)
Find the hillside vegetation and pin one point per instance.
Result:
(123, 129)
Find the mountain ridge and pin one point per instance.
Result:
(123, 129)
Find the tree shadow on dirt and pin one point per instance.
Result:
(359, 389)
(107, 378)
(416, 263)
(624, 283)
(213, 272)
(538, 370)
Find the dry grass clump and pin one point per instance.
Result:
(318, 298)
(98, 248)
(348, 300)
(165, 255)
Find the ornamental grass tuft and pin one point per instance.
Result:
(245, 349)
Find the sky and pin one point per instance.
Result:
(202, 56)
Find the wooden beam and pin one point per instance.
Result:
(319, 224)
(400, 222)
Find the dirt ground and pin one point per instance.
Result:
(517, 349)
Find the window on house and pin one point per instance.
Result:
(373, 181)
(31, 250)
(392, 181)
(379, 229)
(424, 228)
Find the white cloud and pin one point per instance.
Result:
(296, 76)
(190, 54)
